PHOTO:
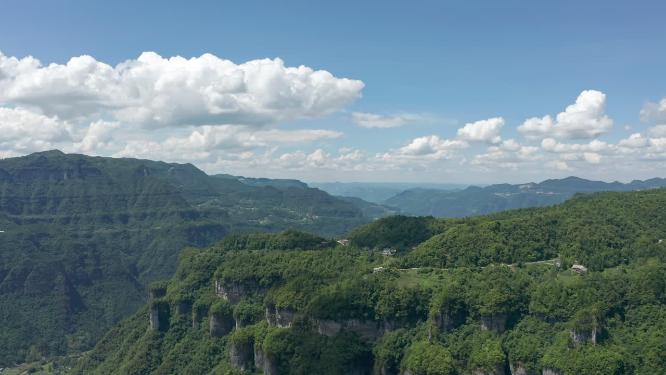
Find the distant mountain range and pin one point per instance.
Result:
(81, 236)
(377, 192)
(483, 200)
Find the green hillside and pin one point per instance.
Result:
(82, 236)
(485, 295)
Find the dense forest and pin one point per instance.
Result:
(578, 288)
(81, 237)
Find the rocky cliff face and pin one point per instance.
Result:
(519, 368)
(233, 293)
(283, 318)
(580, 337)
(184, 308)
(157, 292)
(264, 362)
(550, 371)
(368, 330)
(498, 370)
(198, 313)
(241, 356)
(446, 321)
(159, 316)
(220, 324)
(495, 323)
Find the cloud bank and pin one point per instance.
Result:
(154, 91)
(262, 117)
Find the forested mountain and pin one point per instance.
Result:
(377, 192)
(476, 200)
(483, 295)
(81, 236)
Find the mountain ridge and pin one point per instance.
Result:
(475, 200)
(82, 236)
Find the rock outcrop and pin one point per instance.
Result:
(498, 370)
(579, 336)
(241, 355)
(233, 293)
(383, 370)
(159, 316)
(446, 321)
(550, 371)
(259, 357)
(264, 362)
(220, 324)
(157, 292)
(283, 318)
(519, 368)
(198, 313)
(366, 329)
(183, 308)
(494, 322)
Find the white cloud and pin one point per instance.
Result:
(582, 120)
(560, 165)
(431, 147)
(195, 110)
(26, 131)
(592, 157)
(656, 149)
(536, 127)
(635, 140)
(157, 91)
(551, 145)
(507, 154)
(345, 160)
(201, 144)
(510, 145)
(16, 123)
(657, 131)
(373, 120)
(223, 116)
(98, 137)
(482, 131)
(654, 112)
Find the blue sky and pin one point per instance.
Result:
(430, 67)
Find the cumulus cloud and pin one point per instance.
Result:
(157, 91)
(582, 120)
(592, 157)
(636, 140)
(482, 131)
(537, 127)
(654, 112)
(507, 154)
(199, 109)
(24, 131)
(597, 146)
(345, 160)
(225, 116)
(560, 165)
(432, 147)
(202, 143)
(377, 121)
(657, 131)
